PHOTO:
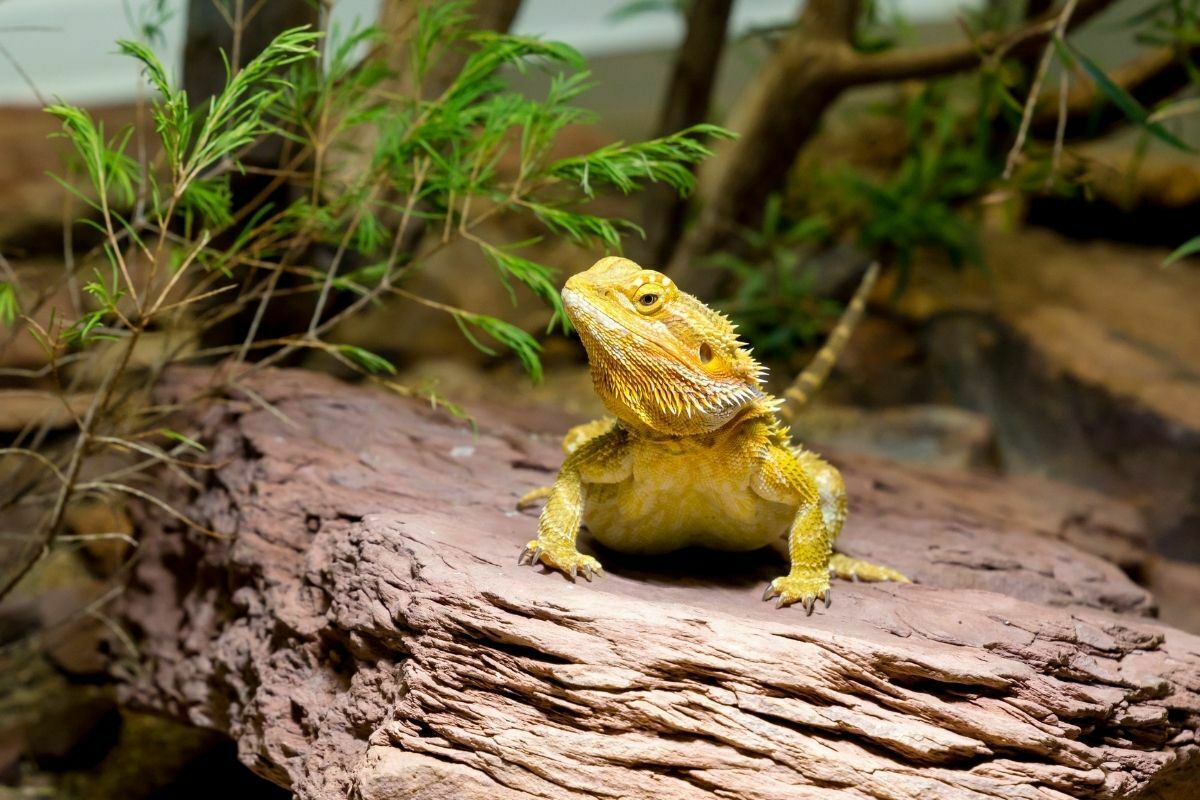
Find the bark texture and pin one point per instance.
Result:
(361, 626)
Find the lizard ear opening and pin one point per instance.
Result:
(706, 353)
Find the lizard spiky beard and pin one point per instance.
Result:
(661, 359)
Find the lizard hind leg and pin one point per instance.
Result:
(856, 569)
(531, 497)
(832, 491)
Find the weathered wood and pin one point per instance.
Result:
(364, 627)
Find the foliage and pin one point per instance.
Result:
(773, 302)
(949, 162)
(1129, 106)
(180, 254)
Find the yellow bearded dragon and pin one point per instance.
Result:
(695, 453)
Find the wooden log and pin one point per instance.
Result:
(362, 629)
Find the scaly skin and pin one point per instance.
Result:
(694, 453)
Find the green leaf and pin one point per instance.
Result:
(628, 166)
(507, 334)
(1120, 98)
(176, 436)
(1188, 248)
(8, 303)
(537, 277)
(369, 361)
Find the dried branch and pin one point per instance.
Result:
(70, 477)
(1150, 78)
(1060, 27)
(930, 62)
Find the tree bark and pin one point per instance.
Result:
(687, 102)
(360, 626)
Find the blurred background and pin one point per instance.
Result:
(1025, 170)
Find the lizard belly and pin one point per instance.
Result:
(675, 502)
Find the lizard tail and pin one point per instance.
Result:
(813, 375)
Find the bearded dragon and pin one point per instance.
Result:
(695, 452)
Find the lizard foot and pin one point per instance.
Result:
(532, 496)
(855, 569)
(560, 556)
(798, 588)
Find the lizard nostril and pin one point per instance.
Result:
(706, 353)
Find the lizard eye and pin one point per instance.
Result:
(649, 299)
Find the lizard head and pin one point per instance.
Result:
(660, 359)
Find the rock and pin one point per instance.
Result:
(73, 730)
(939, 436)
(360, 626)
(106, 530)
(11, 742)
(81, 648)
(1176, 584)
(1086, 359)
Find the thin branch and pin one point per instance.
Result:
(50, 465)
(1064, 80)
(108, 486)
(1035, 90)
(1150, 78)
(933, 61)
(262, 402)
(16, 65)
(97, 406)
(111, 536)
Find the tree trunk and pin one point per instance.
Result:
(209, 34)
(686, 103)
(778, 116)
(360, 626)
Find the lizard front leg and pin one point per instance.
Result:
(781, 478)
(577, 436)
(602, 459)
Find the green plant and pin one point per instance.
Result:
(773, 302)
(926, 201)
(178, 256)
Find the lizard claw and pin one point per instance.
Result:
(560, 556)
(530, 555)
(802, 589)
